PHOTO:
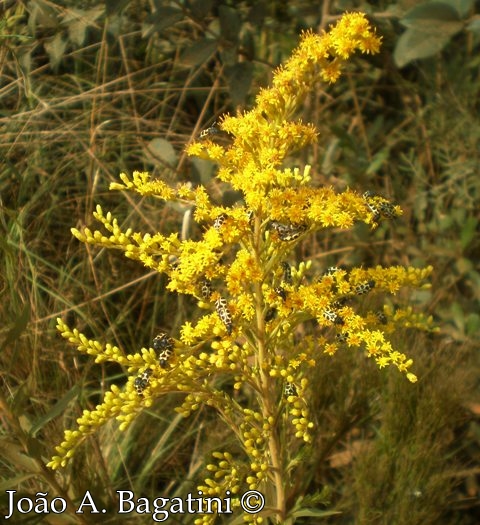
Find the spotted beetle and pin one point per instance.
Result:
(287, 272)
(290, 390)
(381, 317)
(219, 221)
(164, 346)
(331, 315)
(224, 314)
(142, 381)
(332, 270)
(270, 314)
(288, 232)
(363, 288)
(206, 289)
(280, 291)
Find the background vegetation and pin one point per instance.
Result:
(90, 89)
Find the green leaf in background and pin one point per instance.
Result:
(430, 27)
(162, 18)
(437, 17)
(229, 23)
(414, 44)
(42, 15)
(463, 7)
(112, 7)
(472, 325)
(199, 52)
(200, 8)
(55, 48)
(378, 161)
(204, 169)
(239, 78)
(474, 26)
(163, 150)
(469, 231)
(78, 21)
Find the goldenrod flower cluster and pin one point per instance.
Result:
(254, 297)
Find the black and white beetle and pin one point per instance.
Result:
(141, 382)
(288, 232)
(290, 390)
(287, 272)
(164, 346)
(206, 289)
(363, 288)
(224, 314)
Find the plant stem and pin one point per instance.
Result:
(267, 394)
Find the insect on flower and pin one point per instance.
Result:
(211, 131)
(288, 232)
(219, 221)
(270, 315)
(164, 345)
(381, 317)
(371, 206)
(332, 270)
(279, 290)
(142, 381)
(363, 288)
(331, 315)
(341, 301)
(206, 289)
(379, 206)
(224, 314)
(387, 210)
(287, 272)
(215, 134)
(290, 390)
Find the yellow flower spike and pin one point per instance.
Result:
(239, 265)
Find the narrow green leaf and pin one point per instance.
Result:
(314, 513)
(9, 483)
(17, 329)
(15, 455)
(469, 231)
(378, 161)
(57, 409)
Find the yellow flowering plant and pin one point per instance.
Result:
(253, 297)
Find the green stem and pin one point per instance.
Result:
(267, 391)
